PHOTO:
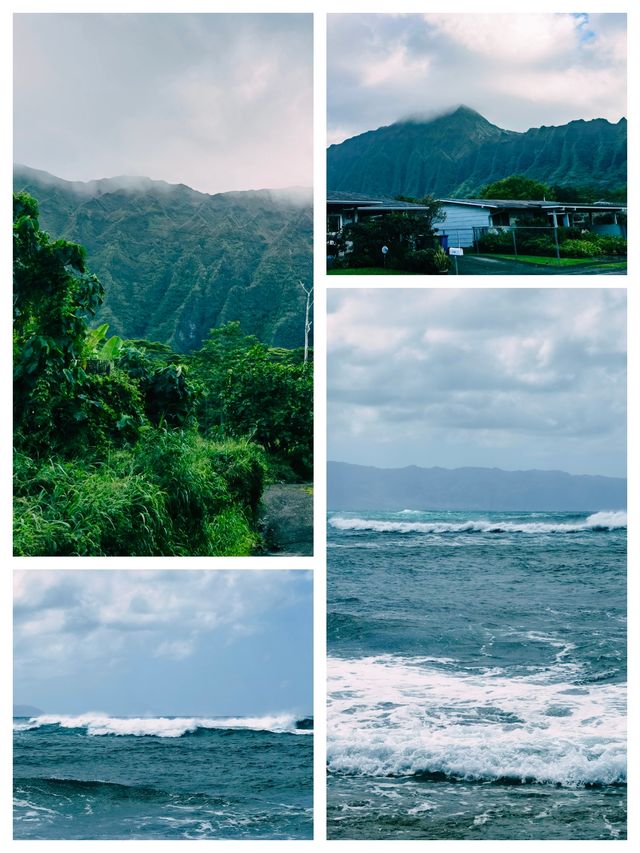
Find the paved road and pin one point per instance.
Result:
(473, 265)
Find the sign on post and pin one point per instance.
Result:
(456, 251)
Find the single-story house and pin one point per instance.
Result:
(465, 218)
(463, 215)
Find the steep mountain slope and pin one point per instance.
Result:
(456, 154)
(175, 262)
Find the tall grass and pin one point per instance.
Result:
(173, 493)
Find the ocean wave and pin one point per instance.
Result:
(394, 716)
(598, 521)
(172, 727)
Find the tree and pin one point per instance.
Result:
(517, 187)
(53, 294)
(258, 392)
(67, 390)
(431, 215)
(403, 233)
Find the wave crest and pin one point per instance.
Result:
(603, 520)
(102, 724)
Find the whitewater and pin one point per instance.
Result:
(96, 776)
(477, 675)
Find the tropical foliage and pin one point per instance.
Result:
(124, 447)
(408, 237)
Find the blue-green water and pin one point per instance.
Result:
(98, 777)
(477, 675)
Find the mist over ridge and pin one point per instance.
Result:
(176, 262)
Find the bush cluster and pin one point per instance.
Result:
(573, 243)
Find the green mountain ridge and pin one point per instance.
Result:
(176, 262)
(456, 154)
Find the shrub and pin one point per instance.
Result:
(580, 249)
(427, 261)
(542, 245)
(495, 242)
(243, 466)
(611, 245)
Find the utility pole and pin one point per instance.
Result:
(307, 321)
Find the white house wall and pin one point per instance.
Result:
(460, 222)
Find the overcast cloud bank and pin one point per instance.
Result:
(517, 70)
(515, 379)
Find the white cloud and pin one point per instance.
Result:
(90, 615)
(508, 39)
(217, 101)
(175, 650)
(452, 373)
(518, 70)
(397, 67)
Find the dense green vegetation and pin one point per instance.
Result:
(517, 187)
(521, 187)
(457, 154)
(125, 447)
(175, 262)
(409, 238)
(572, 243)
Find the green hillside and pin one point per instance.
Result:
(456, 154)
(175, 263)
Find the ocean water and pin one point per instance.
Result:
(477, 684)
(99, 777)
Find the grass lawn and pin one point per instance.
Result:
(563, 262)
(368, 271)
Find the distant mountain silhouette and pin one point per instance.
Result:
(26, 711)
(458, 153)
(359, 487)
(176, 262)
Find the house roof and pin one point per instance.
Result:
(373, 203)
(530, 204)
(367, 202)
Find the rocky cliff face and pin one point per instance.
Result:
(175, 262)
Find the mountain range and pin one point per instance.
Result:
(360, 487)
(456, 154)
(175, 262)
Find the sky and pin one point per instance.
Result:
(130, 643)
(215, 101)
(508, 378)
(517, 70)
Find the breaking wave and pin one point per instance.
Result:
(595, 522)
(394, 716)
(101, 724)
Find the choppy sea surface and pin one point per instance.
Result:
(477, 683)
(100, 777)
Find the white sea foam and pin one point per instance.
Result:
(390, 715)
(596, 521)
(102, 724)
